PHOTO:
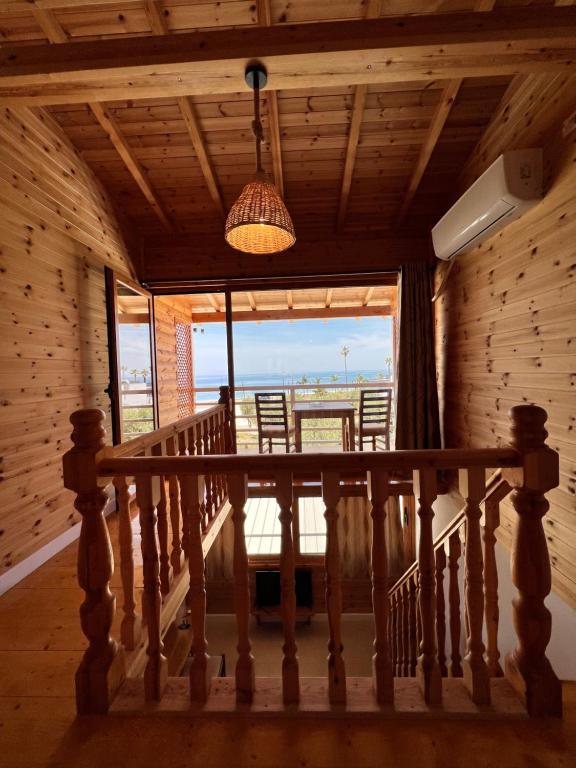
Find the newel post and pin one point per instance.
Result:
(527, 666)
(101, 670)
(229, 433)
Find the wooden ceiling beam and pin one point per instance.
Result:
(319, 313)
(159, 26)
(443, 109)
(55, 33)
(395, 49)
(372, 12)
(441, 114)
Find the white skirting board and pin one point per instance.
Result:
(38, 558)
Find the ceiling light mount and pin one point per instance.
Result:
(256, 76)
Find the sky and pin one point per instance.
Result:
(276, 347)
(297, 347)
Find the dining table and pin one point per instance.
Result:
(331, 409)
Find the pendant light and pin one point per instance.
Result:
(259, 222)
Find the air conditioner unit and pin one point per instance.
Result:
(511, 186)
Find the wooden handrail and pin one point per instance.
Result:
(497, 489)
(109, 466)
(138, 444)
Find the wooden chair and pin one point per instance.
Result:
(374, 421)
(272, 417)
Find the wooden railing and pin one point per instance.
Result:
(327, 434)
(528, 466)
(480, 593)
(165, 507)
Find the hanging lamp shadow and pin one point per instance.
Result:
(259, 222)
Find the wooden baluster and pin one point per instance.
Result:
(131, 626)
(491, 611)
(238, 493)
(193, 492)
(397, 627)
(184, 450)
(156, 671)
(177, 554)
(418, 620)
(405, 630)
(454, 552)
(527, 666)
(214, 450)
(392, 631)
(381, 663)
(336, 668)
(398, 669)
(162, 514)
(428, 671)
(222, 449)
(208, 481)
(476, 678)
(441, 610)
(198, 447)
(412, 611)
(101, 669)
(290, 670)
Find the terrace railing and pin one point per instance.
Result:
(326, 434)
(528, 466)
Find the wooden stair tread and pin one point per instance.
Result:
(409, 702)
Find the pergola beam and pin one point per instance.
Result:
(318, 313)
(396, 49)
(55, 33)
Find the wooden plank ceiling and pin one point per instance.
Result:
(363, 160)
(317, 303)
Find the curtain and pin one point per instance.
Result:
(417, 415)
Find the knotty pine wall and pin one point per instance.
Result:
(57, 231)
(167, 314)
(506, 334)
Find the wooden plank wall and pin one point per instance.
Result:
(167, 315)
(57, 231)
(506, 334)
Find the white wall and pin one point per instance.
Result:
(561, 648)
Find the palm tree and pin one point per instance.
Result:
(303, 380)
(388, 361)
(144, 373)
(134, 372)
(345, 351)
(334, 378)
(360, 379)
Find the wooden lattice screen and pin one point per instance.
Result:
(184, 375)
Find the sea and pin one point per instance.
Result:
(312, 378)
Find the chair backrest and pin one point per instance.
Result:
(271, 410)
(375, 406)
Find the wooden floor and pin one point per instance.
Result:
(262, 526)
(40, 646)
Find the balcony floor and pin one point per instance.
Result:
(41, 644)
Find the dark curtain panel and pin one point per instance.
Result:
(417, 415)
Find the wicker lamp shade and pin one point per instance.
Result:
(259, 222)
